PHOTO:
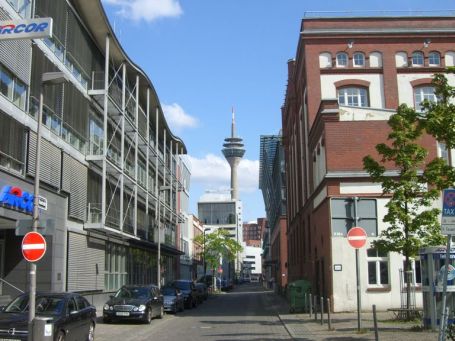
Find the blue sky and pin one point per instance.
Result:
(206, 56)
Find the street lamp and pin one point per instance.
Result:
(48, 78)
(161, 189)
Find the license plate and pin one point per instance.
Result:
(10, 340)
(122, 313)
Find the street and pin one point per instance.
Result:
(246, 313)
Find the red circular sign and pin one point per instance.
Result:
(357, 237)
(33, 246)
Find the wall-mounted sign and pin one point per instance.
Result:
(14, 197)
(337, 267)
(26, 29)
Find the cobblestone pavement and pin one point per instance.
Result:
(344, 327)
(251, 313)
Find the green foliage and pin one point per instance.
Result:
(217, 244)
(412, 223)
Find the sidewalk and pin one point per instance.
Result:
(302, 327)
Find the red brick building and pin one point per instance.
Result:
(349, 75)
(252, 232)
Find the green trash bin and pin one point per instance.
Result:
(298, 291)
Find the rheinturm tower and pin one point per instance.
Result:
(233, 151)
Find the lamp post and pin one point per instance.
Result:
(158, 275)
(48, 78)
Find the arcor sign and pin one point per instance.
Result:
(26, 29)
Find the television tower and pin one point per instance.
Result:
(233, 151)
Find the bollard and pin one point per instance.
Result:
(315, 308)
(310, 302)
(329, 322)
(375, 321)
(322, 310)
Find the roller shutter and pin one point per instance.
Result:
(85, 263)
(51, 161)
(74, 181)
(16, 54)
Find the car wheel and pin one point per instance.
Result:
(91, 332)
(148, 316)
(161, 315)
(60, 336)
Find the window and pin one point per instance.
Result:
(417, 59)
(342, 59)
(342, 210)
(359, 59)
(96, 137)
(12, 88)
(12, 144)
(443, 152)
(376, 59)
(423, 93)
(434, 59)
(353, 96)
(416, 278)
(378, 268)
(325, 60)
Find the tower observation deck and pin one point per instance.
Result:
(233, 151)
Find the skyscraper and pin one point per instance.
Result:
(233, 151)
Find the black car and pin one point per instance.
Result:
(189, 291)
(73, 317)
(134, 302)
(173, 299)
(203, 291)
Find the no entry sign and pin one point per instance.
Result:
(33, 246)
(357, 237)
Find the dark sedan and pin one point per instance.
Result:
(173, 299)
(134, 302)
(73, 317)
(190, 294)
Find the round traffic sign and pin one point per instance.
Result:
(357, 237)
(33, 246)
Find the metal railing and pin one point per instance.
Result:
(11, 285)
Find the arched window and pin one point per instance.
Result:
(358, 59)
(353, 96)
(401, 59)
(417, 59)
(434, 59)
(450, 58)
(423, 93)
(375, 59)
(325, 60)
(342, 59)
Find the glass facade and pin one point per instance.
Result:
(217, 213)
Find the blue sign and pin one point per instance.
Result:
(14, 197)
(448, 205)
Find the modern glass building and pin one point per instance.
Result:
(110, 165)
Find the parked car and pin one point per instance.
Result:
(188, 289)
(73, 317)
(208, 280)
(173, 299)
(202, 290)
(134, 302)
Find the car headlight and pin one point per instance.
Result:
(106, 307)
(141, 307)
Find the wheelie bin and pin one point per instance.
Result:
(297, 295)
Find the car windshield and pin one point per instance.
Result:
(136, 292)
(45, 305)
(168, 291)
(182, 285)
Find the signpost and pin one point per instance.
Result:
(33, 246)
(357, 237)
(447, 228)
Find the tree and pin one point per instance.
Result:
(216, 245)
(412, 223)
